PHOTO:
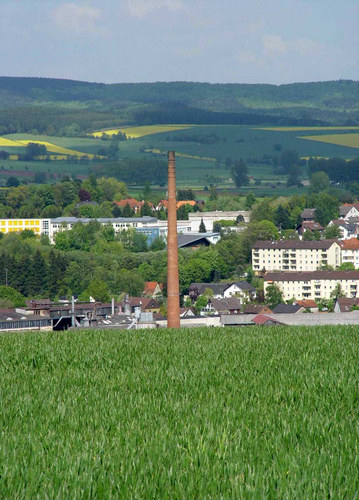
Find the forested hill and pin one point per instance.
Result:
(335, 102)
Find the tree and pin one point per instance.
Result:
(201, 302)
(250, 201)
(146, 210)
(40, 177)
(128, 211)
(98, 290)
(202, 227)
(239, 173)
(213, 193)
(337, 292)
(326, 207)
(274, 295)
(282, 218)
(319, 181)
(346, 266)
(13, 296)
(33, 150)
(294, 172)
(156, 245)
(332, 232)
(288, 158)
(12, 181)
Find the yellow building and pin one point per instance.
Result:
(313, 285)
(38, 226)
(295, 255)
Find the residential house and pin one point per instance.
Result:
(313, 285)
(347, 229)
(153, 289)
(257, 309)
(349, 210)
(136, 205)
(309, 305)
(242, 290)
(140, 304)
(295, 255)
(308, 214)
(311, 227)
(288, 309)
(346, 304)
(231, 305)
(239, 289)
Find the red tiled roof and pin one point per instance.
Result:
(150, 286)
(307, 303)
(261, 319)
(351, 244)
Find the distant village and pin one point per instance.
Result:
(303, 281)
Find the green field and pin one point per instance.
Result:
(203, 163)
(204, 413)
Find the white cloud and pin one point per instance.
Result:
(76, 18)
(141, 8)
(274, 45)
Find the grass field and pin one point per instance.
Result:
(204, 413)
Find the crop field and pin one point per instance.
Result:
(136, 132)
(205, 413)
(348, 140)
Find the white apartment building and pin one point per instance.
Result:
(313, 285)
(295, 255)
(350, 251)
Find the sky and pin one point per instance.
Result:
(225, 41)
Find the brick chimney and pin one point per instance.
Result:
(173, 309)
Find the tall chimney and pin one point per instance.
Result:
(173, 310)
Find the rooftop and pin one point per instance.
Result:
(289, 244)
(312, 275)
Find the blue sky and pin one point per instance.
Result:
(239, 41)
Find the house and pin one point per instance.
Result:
(187, 312)
(136, 305)
(153, 289)
(308, 214)
(239, 289)
(349, 210)
(309, 305)
(313, 285)
(257, 309)
(242, 290)
(295, 255)
(347, 229)
(345, 304)
(288, 309)
(196, 240)
(133, 203)
(350, 251)
(231, 305)
(310, 226)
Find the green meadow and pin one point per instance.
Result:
(204, 413)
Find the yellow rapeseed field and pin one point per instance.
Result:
(349, 140)
(56, 149)
(8, 143)
(135, 132)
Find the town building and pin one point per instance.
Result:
(350, 251)
(209, 218)
(38, 226)
(242, 290)
(348, 229)
(349, 210)
(313, 285)
(295, 255)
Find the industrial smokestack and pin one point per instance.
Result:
(173, 309)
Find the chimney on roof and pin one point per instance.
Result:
(173, 309)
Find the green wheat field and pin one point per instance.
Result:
(203, 413)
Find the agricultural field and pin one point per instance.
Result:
(202, 151)
(267, 412)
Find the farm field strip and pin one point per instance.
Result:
(259, 412)
(53, 148)
(181, 155)
(347, 140)
(136, 132)
(299, 129)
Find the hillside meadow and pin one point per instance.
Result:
(203, 413)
